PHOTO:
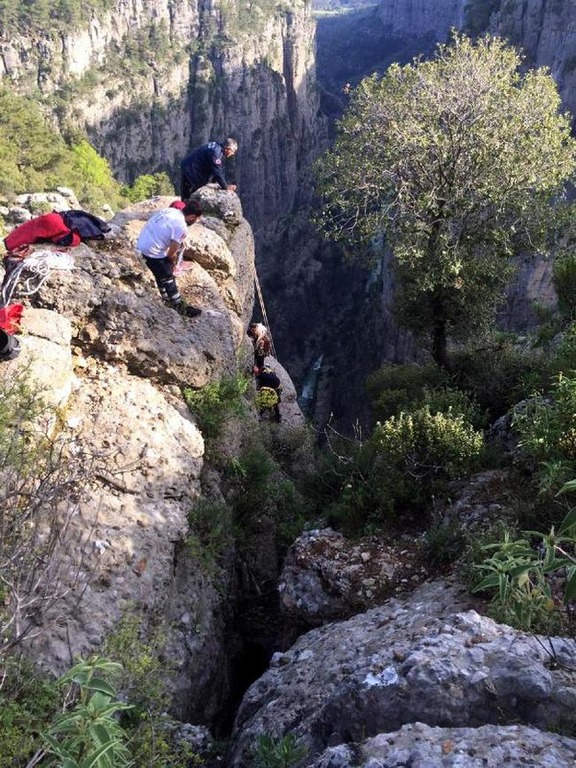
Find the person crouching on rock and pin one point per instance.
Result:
(159, 243)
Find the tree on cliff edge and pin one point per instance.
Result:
(457, 163)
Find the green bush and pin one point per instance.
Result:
(283, 752)
(407, 460)
(149, 185)
(28, 702)
(564, 279)
(211, 531)
(426, 444)
(34, 157)
(138, 649)
(262, 490)
(563, 356)
(547, 432)
(499, 374)
(88, 733)
(533, 578)
(395, 388)
(216, 402)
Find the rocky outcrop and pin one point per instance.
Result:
(104, 351)
(326, 576)
(422, 746)
(150, 80)
(428, 660)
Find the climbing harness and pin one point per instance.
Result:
(263, 308)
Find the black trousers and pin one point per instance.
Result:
(189, 183)
(162, 271)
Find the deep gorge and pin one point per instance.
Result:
(268, 86)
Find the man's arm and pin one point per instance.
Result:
(172, 252)
(218, 169)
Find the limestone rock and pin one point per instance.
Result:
(422, 659)
(101, 345)
(489, 746)
(325, 576)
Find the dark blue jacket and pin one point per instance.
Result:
(204, 164)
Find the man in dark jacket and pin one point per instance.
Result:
(205, 164)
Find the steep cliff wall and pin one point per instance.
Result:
(546, 32)
(148, 80)
(422, 18)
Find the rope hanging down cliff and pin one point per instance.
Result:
(263, 308)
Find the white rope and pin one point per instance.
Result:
(39, 266)
(263, 308)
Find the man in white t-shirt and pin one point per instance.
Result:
(160, 242)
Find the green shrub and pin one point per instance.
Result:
(140, 648)
(407, 460)
(35, 157)
(211, 531)
(148, 185)
(564, 279)
(261, 489)
(216, 402)
(283, 752)
(522, 595)
(547, 433)
(28, 702)
(525, 576)
(88, 733)
(499, 374)
(426, 444)
(563, 358)
(395, 388)
(443, 543)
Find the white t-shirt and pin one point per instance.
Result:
(159, 230)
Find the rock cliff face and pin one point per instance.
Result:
(545, 30)
(422, 18)
(103, 349)
(149, 80)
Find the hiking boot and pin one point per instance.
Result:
(186, 310)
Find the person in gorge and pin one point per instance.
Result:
(261, 342)
(205, 164)
(269, 390)
(160, 242)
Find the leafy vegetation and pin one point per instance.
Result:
(283, 752)
(42, 15)
(217, 402)
(88, 733)
(412, 169)
(518, 572)
(28, 702)
(33, 157)
(148, 185)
